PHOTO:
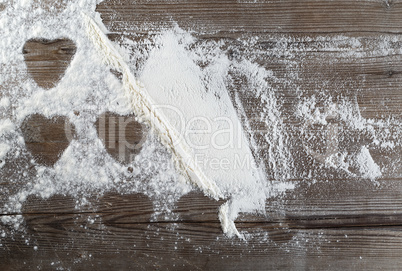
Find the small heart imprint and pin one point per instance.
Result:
(47, 60)
(46, 139)
(122, 136)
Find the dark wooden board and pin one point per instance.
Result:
(123, 238)
(332, 222)
(257, 16)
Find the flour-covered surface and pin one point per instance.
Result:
(293, 110)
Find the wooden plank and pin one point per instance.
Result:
(254, 16)
(314, 206)
(72, 242)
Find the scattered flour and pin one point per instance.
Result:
(4, 148)
(5, 102)
(6, 126)
(356, 163)
(368, 168)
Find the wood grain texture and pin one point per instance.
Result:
(328, 222)
(47, 60)
(46, 139)
(122, 136)
(87, 240)
(256, 16)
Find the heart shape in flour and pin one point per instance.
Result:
(47, 60)
(121, 135)
(46, 139)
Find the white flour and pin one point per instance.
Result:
(231, 162)
(198, 102)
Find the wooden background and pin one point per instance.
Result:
(337, 223)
